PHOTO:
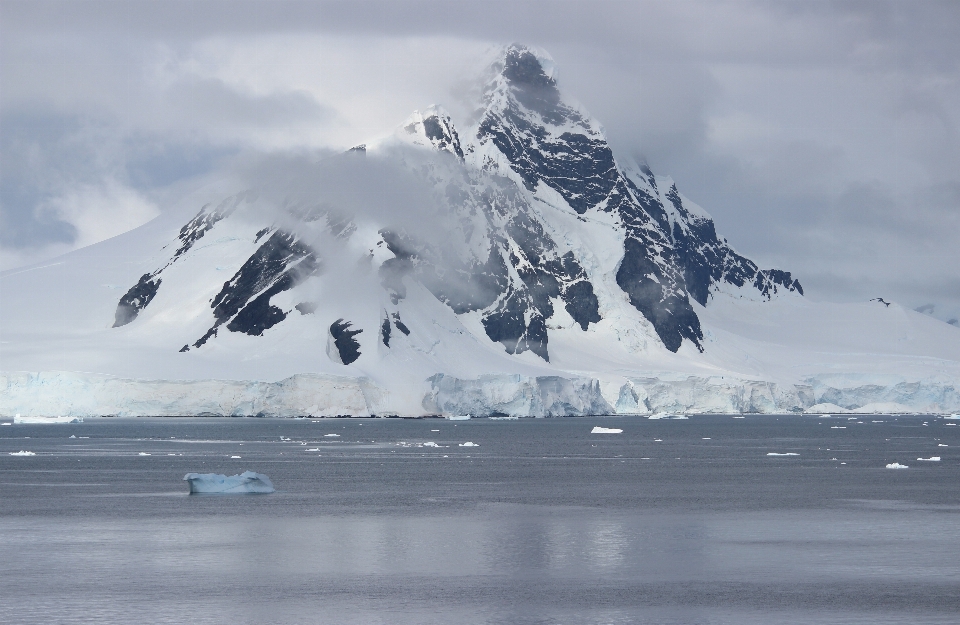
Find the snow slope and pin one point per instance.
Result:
(513, 267)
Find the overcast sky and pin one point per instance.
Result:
(824, 137)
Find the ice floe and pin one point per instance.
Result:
(897, 465)
(143, 453)
(331, 435)
(789, 453)
(469, 444)
(602, 430)
(22, 453)
(930, 459)
(247, 482)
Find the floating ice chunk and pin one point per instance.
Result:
(706, 439)
(331, 435)
(314, 449)
(434, 430)
(930, 459)
(838, 427)
(22, 453)
(897, 465)
(942, 445)
(739, 417)
(247, 482)
(234, 456)
(789, 453)
(953, 416)
(458, 417)
(73, 436)
(469, 444)
(6, 424)
(143, 453)
(46, 420)
(504, 418)
(430, 444)
(949, 423)
(599, 430)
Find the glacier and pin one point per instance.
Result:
(511, 266)
(248, 482)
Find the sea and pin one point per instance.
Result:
(710, 519)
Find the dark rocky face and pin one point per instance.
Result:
(347, 346)
(243, 303)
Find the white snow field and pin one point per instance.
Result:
(247, 482)
(146, 323)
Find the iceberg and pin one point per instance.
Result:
(897, 465)
(458, 417)
(472, 444)
(22, 453)
(45, 420)
(789, 453)
(930, 459)
(247, 482)
(600, 430)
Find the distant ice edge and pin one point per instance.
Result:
(86, 395)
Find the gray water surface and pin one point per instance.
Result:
(543, 522)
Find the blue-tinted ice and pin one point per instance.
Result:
(247, 482)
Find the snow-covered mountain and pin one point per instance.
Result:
(513, 265)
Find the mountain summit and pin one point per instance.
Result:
(436, 269)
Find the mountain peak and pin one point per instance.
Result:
(432, 128)
(527, 66)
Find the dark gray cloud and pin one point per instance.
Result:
(822, 136)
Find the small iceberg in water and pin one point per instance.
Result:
(472, 444)
(789, 453)
(600, 430)
(897, 465)
(247, 482)
(22, 453)
(930, 459)
(458, 417)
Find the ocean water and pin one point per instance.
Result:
(672, 521)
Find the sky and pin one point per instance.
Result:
(823, 137)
